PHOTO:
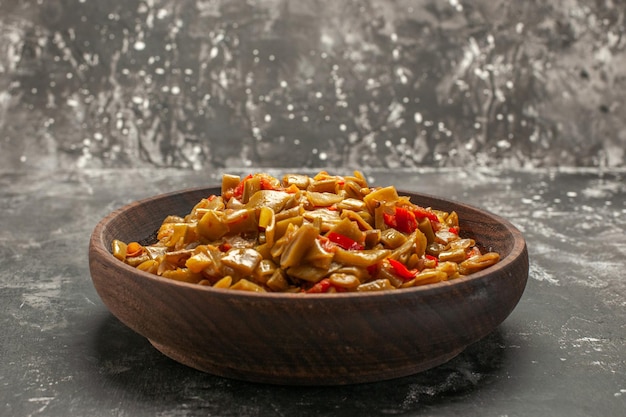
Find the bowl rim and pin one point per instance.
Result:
(97, 246)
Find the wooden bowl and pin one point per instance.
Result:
(312, 339)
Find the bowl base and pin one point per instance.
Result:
(323, 377)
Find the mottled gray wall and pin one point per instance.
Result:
(326, 83)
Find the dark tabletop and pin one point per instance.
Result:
(561, 352)
(514, 107)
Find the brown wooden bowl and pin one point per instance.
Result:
(312, 339)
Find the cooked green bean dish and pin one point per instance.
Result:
(319, 234)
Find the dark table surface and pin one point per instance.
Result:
(561, 352)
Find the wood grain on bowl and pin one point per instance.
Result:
(317, 339)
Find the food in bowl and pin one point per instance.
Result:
(315, 339)
(320, 234)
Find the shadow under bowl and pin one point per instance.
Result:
(312, 339)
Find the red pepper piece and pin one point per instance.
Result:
(225, 247)
(401, 270)
(390, 220)
(405, 220)
(373, 270)
(238, 191)
(326, 244)
(344, 241)
(454, 230)
(134, 249)
(473, 251)
(421, 212)
(432, 258)
(266, 184)
(320, 287)
(402, 220)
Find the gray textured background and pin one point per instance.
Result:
(212, 84)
